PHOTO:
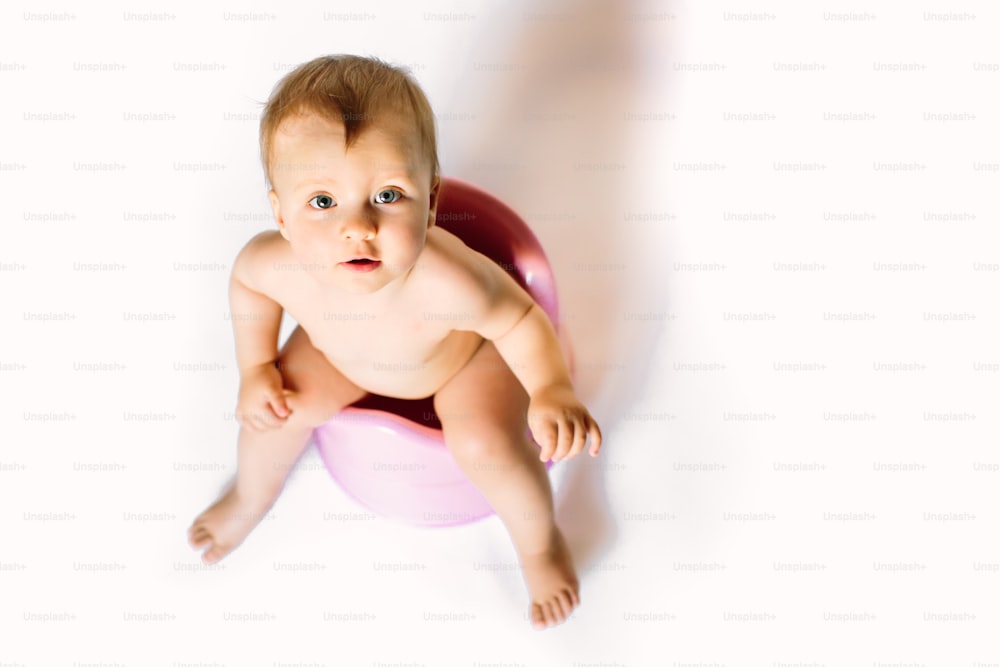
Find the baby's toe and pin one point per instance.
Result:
(198, 538)
(552, 613)
(566, 604)
(543, 622)
(537, 618)
(562, 609)
(213, 555)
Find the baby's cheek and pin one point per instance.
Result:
(308, 249)
(416, 242)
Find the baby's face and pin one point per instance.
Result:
(355, 218)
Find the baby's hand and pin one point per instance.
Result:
(560, 424)
(261, 405)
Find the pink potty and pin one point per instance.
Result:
(389, 454)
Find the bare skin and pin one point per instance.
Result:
(426, 317)
(482, 411)
(265, 457)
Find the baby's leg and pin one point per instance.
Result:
(265, 458)
(483, 415)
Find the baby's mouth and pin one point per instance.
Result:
(362, 264)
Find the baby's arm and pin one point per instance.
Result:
(525, 338)
(256, 322)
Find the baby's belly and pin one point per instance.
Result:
(406, 376)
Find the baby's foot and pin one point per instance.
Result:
(224, 525)
(552, 583)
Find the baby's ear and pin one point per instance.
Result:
(276, 207)
(432, 211)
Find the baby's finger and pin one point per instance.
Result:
(565, 438)
(279, 405)
(247, 421)
(267, 418)
(545, 433)
(595, 437)
(579, 436)
(567, 429)
(258, 419)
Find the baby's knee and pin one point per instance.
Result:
(484, 445)
(310, 409)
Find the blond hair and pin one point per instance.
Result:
(352, 90)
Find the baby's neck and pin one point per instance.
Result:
(381, 300)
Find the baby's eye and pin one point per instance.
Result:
(388, 196)
(322, 202)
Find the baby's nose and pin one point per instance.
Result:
(359, 227)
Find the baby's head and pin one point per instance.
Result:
(358, 93)
(348, 146)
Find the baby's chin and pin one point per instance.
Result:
(357, 290)
(359, 284)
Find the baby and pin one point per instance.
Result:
(350, 154)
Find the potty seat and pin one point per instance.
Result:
(389, 454)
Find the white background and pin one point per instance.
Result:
(774, 227)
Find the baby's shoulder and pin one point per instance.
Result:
(255, 262)
(446, 259)
(456, 273)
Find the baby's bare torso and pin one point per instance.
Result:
(403, 343)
